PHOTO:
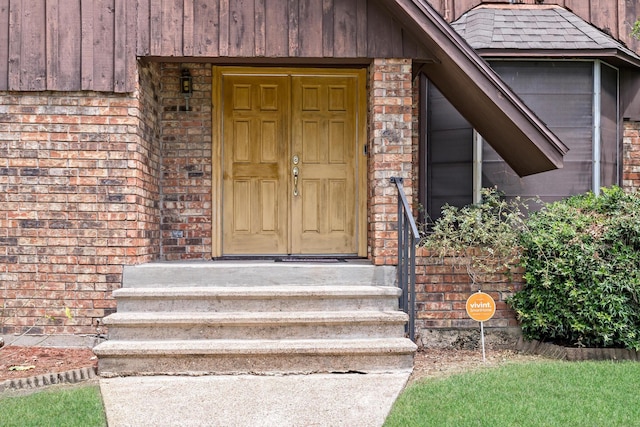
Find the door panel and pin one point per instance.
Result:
(267, 121)
(323, 117)
(255, 194)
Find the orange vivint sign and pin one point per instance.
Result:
(481, 307)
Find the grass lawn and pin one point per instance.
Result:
(77, 406)
(546, 393)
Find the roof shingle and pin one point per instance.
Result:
(532, 27)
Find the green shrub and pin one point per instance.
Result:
(480, 238)
(582, 269)
(635, 30)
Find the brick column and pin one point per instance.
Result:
(631, 157)
(79, 198)
(390, 148)
(186, 164)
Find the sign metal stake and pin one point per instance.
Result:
(484, 359)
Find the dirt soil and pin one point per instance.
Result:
(430, 363)
(23, 362)
(437, 363)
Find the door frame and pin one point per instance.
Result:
(217, 144)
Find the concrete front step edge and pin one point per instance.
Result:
(259, 292)
(266, 325)
(226, 347)
(253, 318)
(258, 299)
(256, 273)
(208, 357)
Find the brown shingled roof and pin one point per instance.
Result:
(538, 30)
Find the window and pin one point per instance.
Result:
(577, 100)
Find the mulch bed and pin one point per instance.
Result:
(23, 362)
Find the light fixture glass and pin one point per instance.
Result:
(186, 86)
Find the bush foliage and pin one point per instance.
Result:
(480, 238)
(635, 30)
(582, 269)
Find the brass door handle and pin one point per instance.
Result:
(296, 172)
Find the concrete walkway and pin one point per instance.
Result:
(362, 400)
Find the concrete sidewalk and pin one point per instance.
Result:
(354, 400)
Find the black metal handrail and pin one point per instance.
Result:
(408, 237)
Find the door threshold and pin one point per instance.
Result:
(310, 259)
(292, 258)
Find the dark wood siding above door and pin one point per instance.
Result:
(272, 28)
(93, 44)
(67, 45)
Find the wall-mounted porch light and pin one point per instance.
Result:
(186, 86)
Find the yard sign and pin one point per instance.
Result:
(481, 307)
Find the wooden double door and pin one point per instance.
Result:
(292, 161)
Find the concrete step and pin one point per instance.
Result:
(257, 298)
(197, 318)
(256, 273)
(203, 357)
(255, 325)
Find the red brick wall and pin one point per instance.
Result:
(390, 152)
(78, 199)
(442, 290)
(631, 157)
(186, 164)
(147, 161)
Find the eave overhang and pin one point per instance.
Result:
(479, 94)
(611, 56)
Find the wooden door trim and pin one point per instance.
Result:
(216, 163)
(217, 154)
(361, 162)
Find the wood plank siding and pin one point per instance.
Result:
(615, 17)
(93, 44)
(339, 29)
